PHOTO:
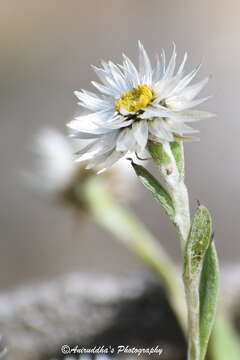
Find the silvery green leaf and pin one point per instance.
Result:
(197, 243)
(208, 297)
(177, 150)
(197, 246)
(156, 189)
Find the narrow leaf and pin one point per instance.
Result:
(208, 297)
(177, 150)
(197, 243)
(156, 189)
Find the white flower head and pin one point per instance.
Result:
(136, 105)
(54, 165)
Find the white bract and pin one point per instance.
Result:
(136, 105)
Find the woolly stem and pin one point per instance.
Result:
(170, 163)
(173, 179)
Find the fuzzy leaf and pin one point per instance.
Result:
(156, 189)
(197, 243)
(157, 153)
(208, 297)
(177, 150)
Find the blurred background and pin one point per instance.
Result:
(46, 51)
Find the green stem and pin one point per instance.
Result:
(193, 305)
(130, 231)
(173, 179)
(171, 169)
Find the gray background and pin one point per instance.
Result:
(46, 51)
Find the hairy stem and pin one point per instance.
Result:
(193, 305)
(172, 173)
(173, 180)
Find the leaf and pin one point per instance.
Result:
(157, 153)
(208, 297)
(197, 243)
(156, 189)
(199, 271)
(224, 341)
(177, 150)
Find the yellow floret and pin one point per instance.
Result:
(134, 100)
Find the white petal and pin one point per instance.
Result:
(186, 137)
(97, 160)
(119, 125)
(145, 68)
(157, 128)
(98, 147)
(158, 71)
(180, 70)
(118, 77)
(106, 89)
(111, 160)
(101, 73)
(130, 71)
(126, 140)
(154, 111)
(86, 127)
(91, 101)
(96, 117)
(89, 148)
(190, 92)
(186, 80)
(165, 87)
(171, 66)
(75, 134)
(163, 58)
(180, 127)
(191, 104)
(107, 77)
(140, 132)
(191, 115)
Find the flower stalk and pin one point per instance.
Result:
(193, 305)
(170, 162)
(172, 172)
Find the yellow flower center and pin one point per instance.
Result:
(134, 100)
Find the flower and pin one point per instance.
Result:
(135, 106)
(54, 165)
